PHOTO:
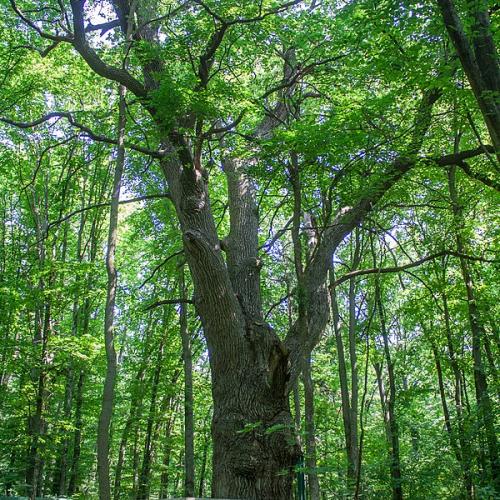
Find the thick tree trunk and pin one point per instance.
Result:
(259, 463)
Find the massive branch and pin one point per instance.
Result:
(480, 63)
(343, 224)
(103, 69)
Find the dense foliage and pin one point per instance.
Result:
(361, 108)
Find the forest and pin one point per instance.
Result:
(249, 249)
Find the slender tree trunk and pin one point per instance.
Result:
(295, 181)
(344, 388)
(206, 444)
(164, 478)
(484, 406)
(135, 405)
(167, 451)
(62, 462)
(103, 430)
(353, 358)
(61, 469)
(310, 430)
(444, 404)
(136, 400)
(77, 437)
(135, 462)
(357, 490)
(189, 477)
(143, 489)
(37, 423)
(392, 424)
(465, 451)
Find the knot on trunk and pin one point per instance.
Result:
(194, 191)
(279, 369)
(269, 355)
(195, 242)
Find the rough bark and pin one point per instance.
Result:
(479, 60)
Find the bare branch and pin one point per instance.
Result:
(31, 24)
(167, 302)
(94, 61)
(395, 269)
(106, 204)
(89, 132)
(161, 264)
(102, 27)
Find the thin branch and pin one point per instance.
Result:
(300, 73)
(161, 264)
(261, 16)
(106, 204)
(31, 24)
(395, 269)
(89, 132)
(102, 27)
(277, 236)
(220, 130)
(278, 303)
(167, 302)
(479, 176)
